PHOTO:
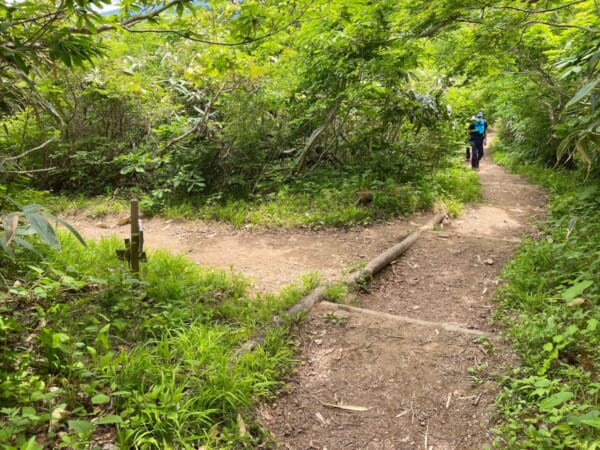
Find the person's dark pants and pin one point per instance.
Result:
(476, 151)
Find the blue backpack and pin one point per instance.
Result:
(480, 126)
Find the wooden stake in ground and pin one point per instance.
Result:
(135, 237)
(134, 246)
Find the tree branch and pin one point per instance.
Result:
(560, 25)
(433, 30)
(27, 152)
(127, 25)
(192, 36)
(28, 172)
(204, 121)
(540, 11)
(32, 19)
(313, 139)
(131, 21)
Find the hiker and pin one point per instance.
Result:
(477, 135)
(468, 142)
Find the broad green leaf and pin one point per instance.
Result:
(28, 411)
(25, 230)
(25, 244)
(59, 338)
(100, 399)
(67, 225)
(592, 422)
(542, 382)
(591, 419)
(555, 400)
(41, 225)
(576, 290)
(585, 90)
(121, 394)
(107, 420)
(31, 445)
(81, 426)
(571, 330)
(593, 61)
(92, 352)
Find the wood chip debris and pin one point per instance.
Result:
(346, 407)
(321, 418)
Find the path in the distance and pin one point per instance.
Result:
(368, 382)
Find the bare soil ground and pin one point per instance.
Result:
(270, 258)
(368, 382)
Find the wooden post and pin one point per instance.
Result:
(135, 237)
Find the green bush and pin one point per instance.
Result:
(552, 289)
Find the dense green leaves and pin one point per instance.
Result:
(552, 400)
(155, 364)
(174, 117)
(32, 219)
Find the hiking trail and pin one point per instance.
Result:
(393, 371)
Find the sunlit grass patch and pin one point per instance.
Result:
(330, 199)
(337, 292)
(153, 361)
(91, 207)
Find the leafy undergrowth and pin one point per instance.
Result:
(330, 199)
(92, 355)
(551, 306)
(326, 199)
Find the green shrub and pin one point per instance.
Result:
(552, 289)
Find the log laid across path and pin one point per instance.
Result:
(360, 276)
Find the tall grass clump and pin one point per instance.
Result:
(92, 352)
(553, 291)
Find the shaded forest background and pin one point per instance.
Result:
(234, 101)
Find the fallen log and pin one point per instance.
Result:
(375, 265)
(384, 259)
(295, 312)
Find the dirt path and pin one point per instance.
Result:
(413, 381)
(271, 259)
